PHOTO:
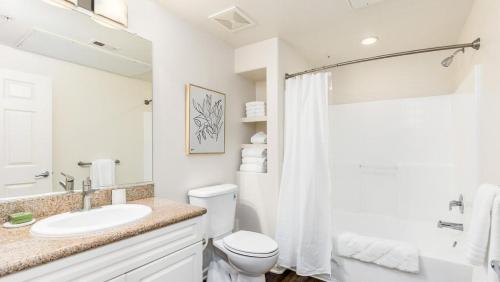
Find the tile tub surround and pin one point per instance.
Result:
(50, 204)
(20, 250)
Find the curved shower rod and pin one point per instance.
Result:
(476, 44)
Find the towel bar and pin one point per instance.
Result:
(80, 163)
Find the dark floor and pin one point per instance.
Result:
(288, 276)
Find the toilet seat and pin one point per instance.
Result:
(250, 244)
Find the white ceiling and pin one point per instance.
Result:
(322, 28)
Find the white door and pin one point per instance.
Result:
(25, 134)
(182, 266)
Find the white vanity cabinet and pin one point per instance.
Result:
(172, 253)
(184, 265)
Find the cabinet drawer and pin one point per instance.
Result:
(184, 265)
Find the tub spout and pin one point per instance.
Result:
(451, 225)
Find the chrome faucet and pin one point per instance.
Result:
(450, 225)
(459, 204)
(69, 182)
(86, 194)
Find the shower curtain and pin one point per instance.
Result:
(303, 229)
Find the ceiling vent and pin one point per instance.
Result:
(359, 4)
(232, 19)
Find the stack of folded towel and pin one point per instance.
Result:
(256, 109)
(254, 160)
(259, 138)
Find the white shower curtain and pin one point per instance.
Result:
(304, 210)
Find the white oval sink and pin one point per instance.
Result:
(86, 222)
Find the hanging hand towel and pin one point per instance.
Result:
(391, 254)
(102, 173)
(259, 138)
(479, 231)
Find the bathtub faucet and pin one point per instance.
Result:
(459, 204)
(451, 225)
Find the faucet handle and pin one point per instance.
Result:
(68, 177)
(87, 184)
(459, 204)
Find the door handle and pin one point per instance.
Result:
(44, 174)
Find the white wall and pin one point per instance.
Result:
(96, 114)
(259, 193)
(483, 22)
(400, 158)
(395, 78)
(183, 54)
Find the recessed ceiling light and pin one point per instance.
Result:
(369, 40)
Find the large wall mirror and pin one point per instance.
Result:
(72, 92)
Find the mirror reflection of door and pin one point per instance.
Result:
(25, 134)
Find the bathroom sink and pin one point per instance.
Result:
(88, 222)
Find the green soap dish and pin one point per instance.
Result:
(10, 225)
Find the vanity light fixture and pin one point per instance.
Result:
(369, 40)
(111, 13)
(65, 4)
(107, 22)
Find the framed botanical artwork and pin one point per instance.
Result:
(205, 121)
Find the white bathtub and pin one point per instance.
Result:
(439, 260)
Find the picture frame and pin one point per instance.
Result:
(205, 121)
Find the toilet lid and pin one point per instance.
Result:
(251, 243)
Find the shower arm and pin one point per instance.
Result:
(476, 44)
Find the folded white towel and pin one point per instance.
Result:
(387, 253)
(256, 115)
(254, 152)
(251, 111)
(259, 138)
(255, 108)
(479, 231)
(253, 160)
(255, 104)
(102, 173)
(253, 167)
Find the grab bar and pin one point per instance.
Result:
(80, 163)
(451, 225)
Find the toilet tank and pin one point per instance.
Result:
(220, 202)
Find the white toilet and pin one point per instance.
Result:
(251, 254)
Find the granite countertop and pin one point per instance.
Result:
(20, 250)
